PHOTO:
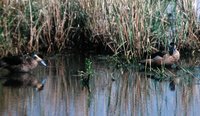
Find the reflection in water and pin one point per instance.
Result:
(23, 80)
(130, 93)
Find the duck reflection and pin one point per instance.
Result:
(173, 83)
(18, 80)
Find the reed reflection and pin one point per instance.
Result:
(134, 93)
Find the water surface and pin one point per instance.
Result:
(112, 91)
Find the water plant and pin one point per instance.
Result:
(86, 74)
(88, 69)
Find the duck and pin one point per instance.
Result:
(167, 59)
(21, 63)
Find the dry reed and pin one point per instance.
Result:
(124, 27)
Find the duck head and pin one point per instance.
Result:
(172, 48)
(38, 59)
(174, 52)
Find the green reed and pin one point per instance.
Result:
(126, 27)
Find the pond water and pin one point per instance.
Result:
(111, 91)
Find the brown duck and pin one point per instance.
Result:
(167, 59)
(23, 63)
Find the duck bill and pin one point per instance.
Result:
(43, 63)
(40, 60)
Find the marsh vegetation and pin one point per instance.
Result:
(122, 27)
(98, 85)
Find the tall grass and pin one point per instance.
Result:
(125, 27)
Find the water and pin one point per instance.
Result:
(111, 92)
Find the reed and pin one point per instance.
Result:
(125, 27)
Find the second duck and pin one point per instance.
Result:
(167, 59)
